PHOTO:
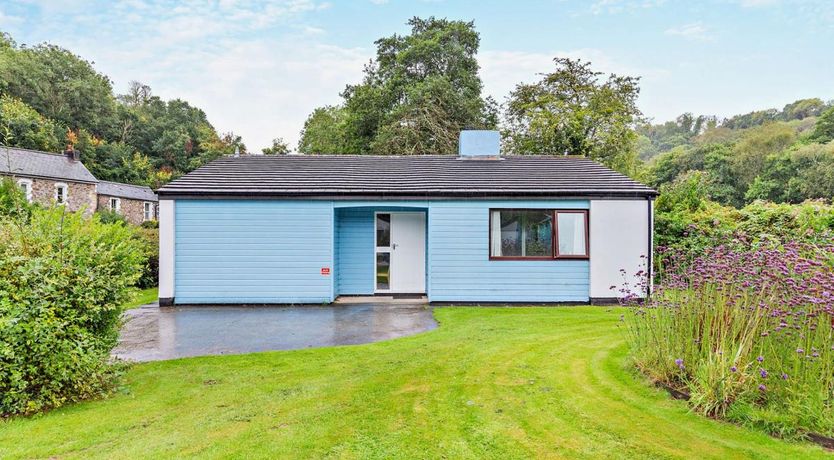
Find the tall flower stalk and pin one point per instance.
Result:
(748, 331)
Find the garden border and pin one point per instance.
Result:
(822, 440)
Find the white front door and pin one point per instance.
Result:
(400, 254)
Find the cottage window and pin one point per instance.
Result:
(149, 215)
(61, 193)
(115, 204)
(26, 186)
(540, 234)
(572, 234)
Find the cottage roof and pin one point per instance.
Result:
(414, 176)
(33, 163)
(134, 192)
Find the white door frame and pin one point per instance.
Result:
(390, 250)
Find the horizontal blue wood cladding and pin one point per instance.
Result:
(460, 269)
(272, 251)
(253, 251)
(355, 241)
(354, 251)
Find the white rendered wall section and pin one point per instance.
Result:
(166, 249)
(619, 237)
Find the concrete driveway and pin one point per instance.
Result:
(153, 333)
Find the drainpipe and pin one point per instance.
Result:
(650, 241)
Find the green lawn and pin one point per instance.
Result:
(489, 383)
(143, 296)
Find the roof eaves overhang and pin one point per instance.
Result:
(372, 195)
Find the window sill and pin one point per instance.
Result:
(540, 258)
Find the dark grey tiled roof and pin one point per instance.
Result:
(33, 163)
(134, 192)
(411, 176)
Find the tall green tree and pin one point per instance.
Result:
(325, 131)
(795, 175)
(574, 110)
(824, 129)
(59, 85)
(803, 108)
(751, 151)
(666, 136)
(23, 126)
(418, 93)
(173, 135)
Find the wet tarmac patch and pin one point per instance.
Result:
(152, 333)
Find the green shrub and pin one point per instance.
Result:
(12, 200)
(149, 239)
(147, 235)
(686, 222)
(107, 216)
(62, 281)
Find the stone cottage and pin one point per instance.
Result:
(49, 178)
(54, 178)
(136, 202)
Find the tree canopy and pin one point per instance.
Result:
(278, 147)
(418, 93)
(574, 110)
(775, 155)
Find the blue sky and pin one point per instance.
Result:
(259, 68)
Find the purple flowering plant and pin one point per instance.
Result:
(733, 311)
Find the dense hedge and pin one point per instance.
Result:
(689, 223)
(148, 237)
(62, 281)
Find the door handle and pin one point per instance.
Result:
(394, 246)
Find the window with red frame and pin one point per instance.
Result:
(538, 234)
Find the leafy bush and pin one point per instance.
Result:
(62, 281)
(748, 332)
(686, 222)
(147, 235)
(107, 216)
(149, 240)
(12, 201)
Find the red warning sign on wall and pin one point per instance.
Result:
(325, 270)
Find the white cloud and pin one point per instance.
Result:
(8, 20)
(265, 89)
(501, 71)
(692, 31)
(619, 6)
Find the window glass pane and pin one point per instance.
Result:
(522, 233)
(383, 270)
(571, 234)
(383, 230)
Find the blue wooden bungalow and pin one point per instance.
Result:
(478, 227)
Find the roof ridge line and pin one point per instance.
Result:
(42, 152)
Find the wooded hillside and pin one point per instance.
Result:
(51, 98)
